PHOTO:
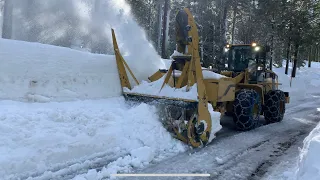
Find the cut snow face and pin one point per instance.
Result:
(91, 23)
(309, 164)
(41, 73)
(70, 137)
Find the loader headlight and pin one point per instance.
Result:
(226, 49)
(257, 48)
(260, 68)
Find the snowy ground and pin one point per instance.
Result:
(62, 114)
(52, 136)
(269, 152)
(96, 133)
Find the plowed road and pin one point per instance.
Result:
(245, 155)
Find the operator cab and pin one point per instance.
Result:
(247, 56)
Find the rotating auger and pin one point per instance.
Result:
(188, 120)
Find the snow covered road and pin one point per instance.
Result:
(246, 155)
(83, 130)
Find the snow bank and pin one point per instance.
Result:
(140, 157)
(309, 164)
(41, 73)
(37, 137)
(306, 78)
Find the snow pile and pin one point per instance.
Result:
(37, 137)
(215, 120)
(207, 74)
(176, 53)
(37, 72)
(132, 39)
(153, 88)
(309, 164)
(140, 156)
(41, 73)
(306, 78)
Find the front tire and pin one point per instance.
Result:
(275, 106)
(247, 108)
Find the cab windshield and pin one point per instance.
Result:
(240, 57)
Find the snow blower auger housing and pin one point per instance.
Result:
(187, 116)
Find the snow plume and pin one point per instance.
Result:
(86, 25)
(143, 58)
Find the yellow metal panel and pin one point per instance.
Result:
(226, 91)
(124, 80)
(212, 89)
(226, 73)
(183, 76)
(203, 112)
(156, 76)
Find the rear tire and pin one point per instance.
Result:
(247, 108)
(275, 106)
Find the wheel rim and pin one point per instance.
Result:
(193, 137)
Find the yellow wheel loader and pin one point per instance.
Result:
(257, 87)
(202, 93)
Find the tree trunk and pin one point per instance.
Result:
(295, 60)
(272, 43)
(159, 26)
(234, 19)
(223, 31)
(164, 29)
(309, 56)
(288, 56)
(7, 20)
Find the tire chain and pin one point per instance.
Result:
(245, 100)
(272, 106)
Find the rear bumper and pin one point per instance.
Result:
(287, 97)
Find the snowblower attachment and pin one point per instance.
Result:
(186, 117)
